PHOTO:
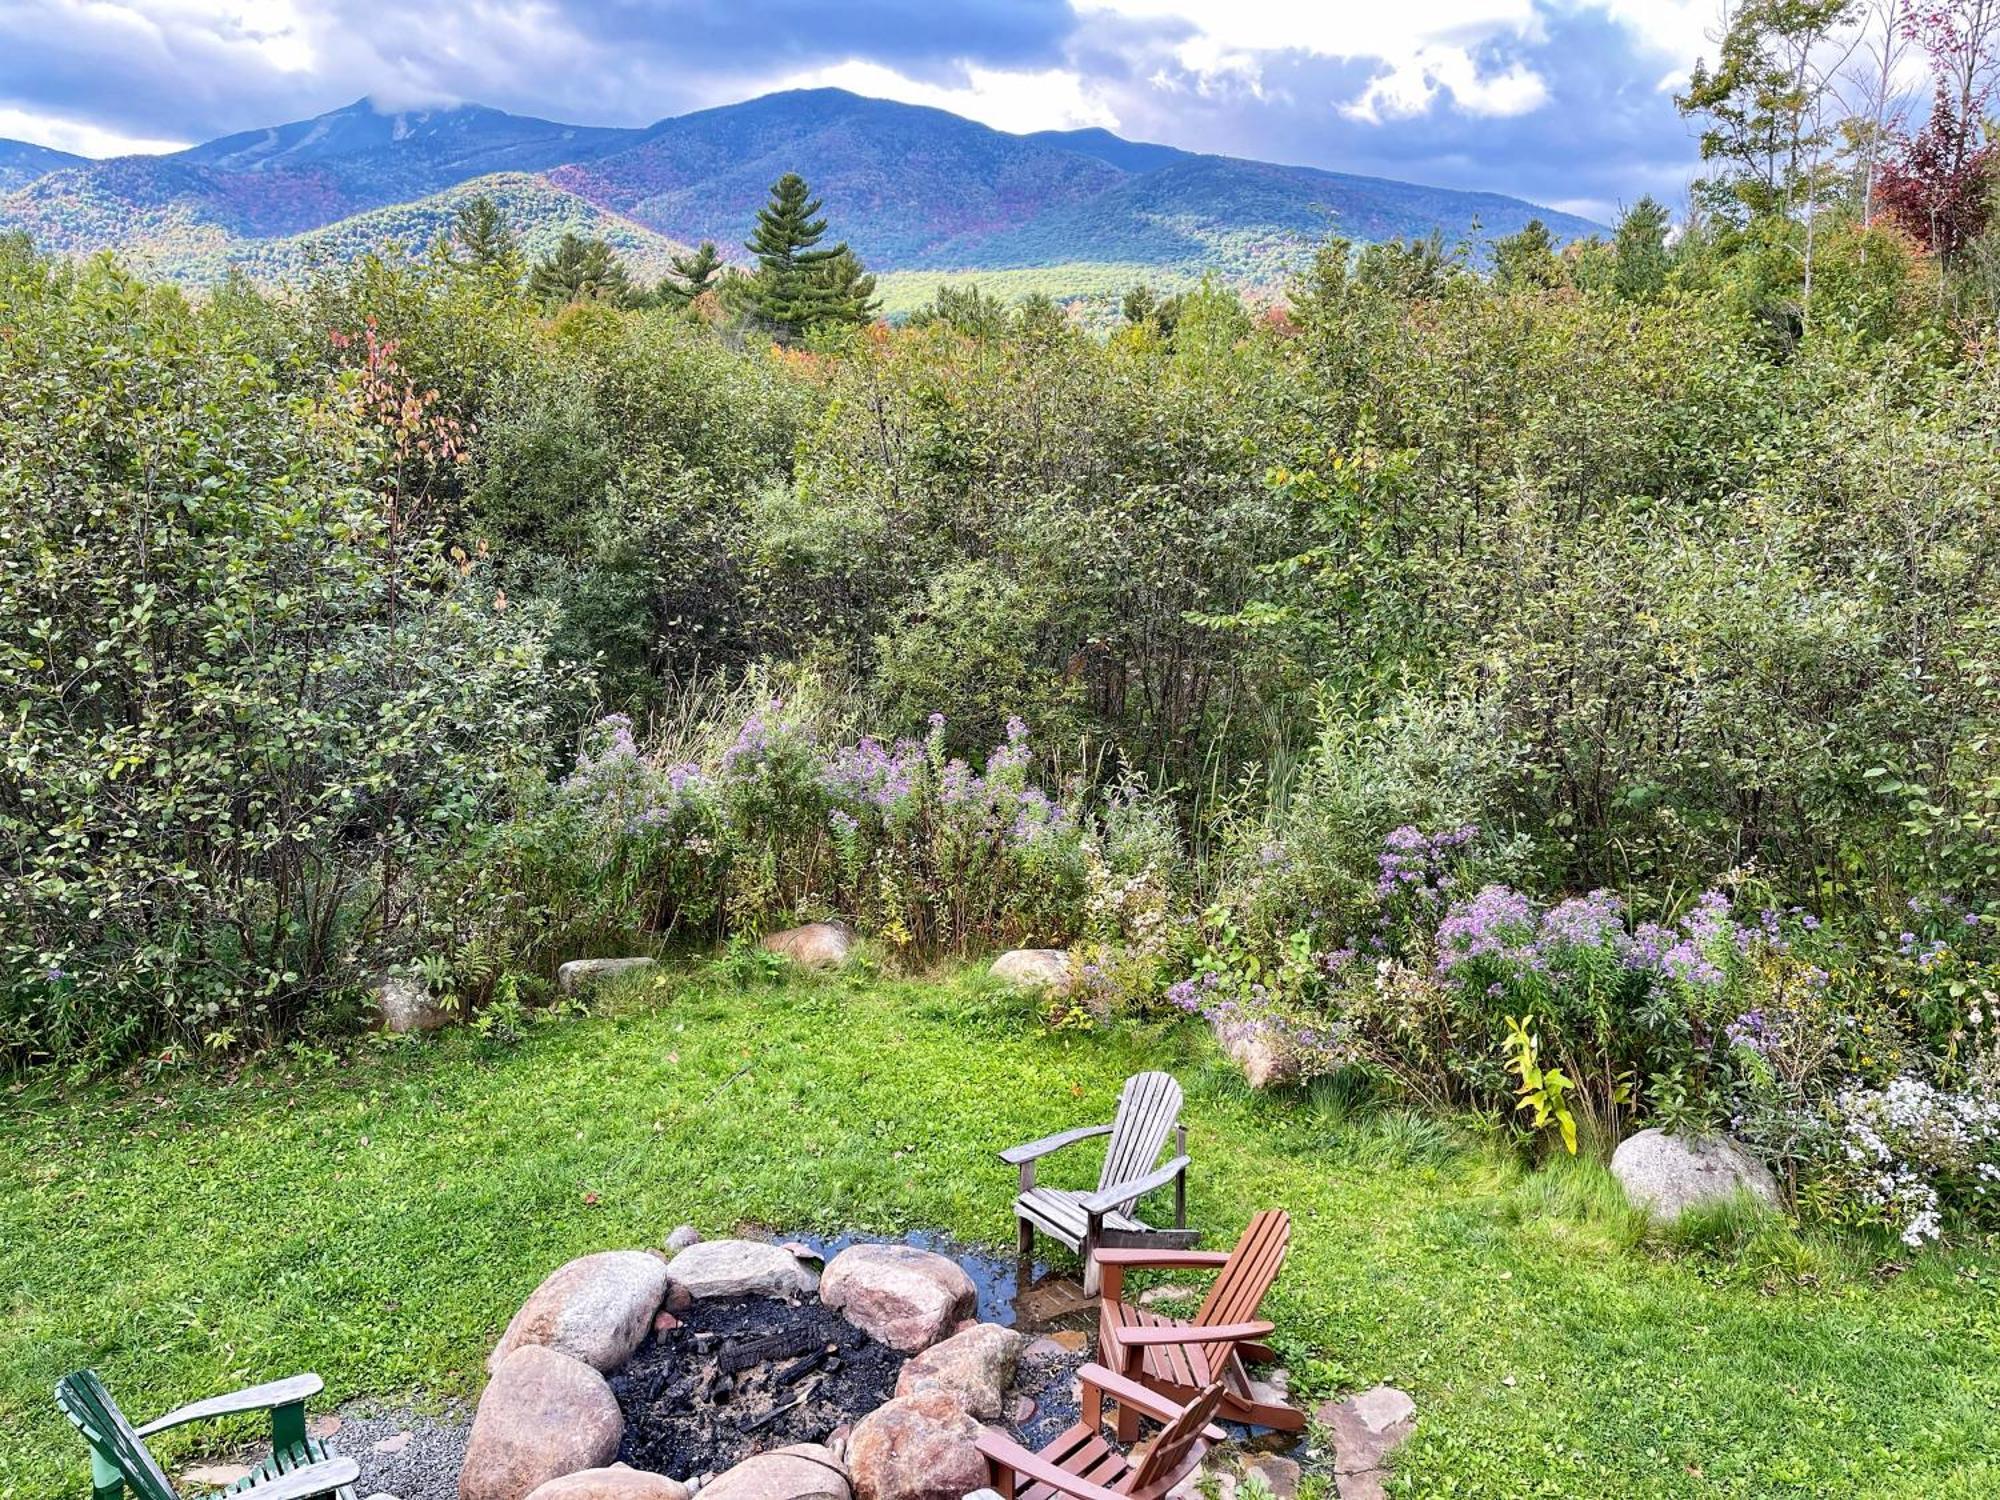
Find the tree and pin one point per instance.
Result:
(691, 275)
(1639, 247)
(1940, 189)
(1527, 260)
(1764, 102)
(481, 235)
(581, 270)
(846, 291)
(790, 291)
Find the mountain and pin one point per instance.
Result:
(22, 162)
(1113, 150)
(897, 178)
(918, 192)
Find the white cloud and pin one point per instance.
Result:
(78, 136)
(1422, 47)
(1047, 99)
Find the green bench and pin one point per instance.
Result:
(299, 1468)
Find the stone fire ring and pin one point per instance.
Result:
(548, 1426)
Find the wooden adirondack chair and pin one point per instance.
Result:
(1180, 1358)
(299, 1468)
(1081, 1464)
(1148, 1107)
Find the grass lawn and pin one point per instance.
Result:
(378, 1220)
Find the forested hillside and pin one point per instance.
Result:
(920, 189)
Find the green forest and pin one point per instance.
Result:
(1554, 684)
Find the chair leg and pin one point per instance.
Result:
(1024, 1237)
(1093, 1277)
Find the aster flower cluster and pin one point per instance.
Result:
(1914, 1147)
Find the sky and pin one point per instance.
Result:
(1568, 103)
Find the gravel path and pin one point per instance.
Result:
(404, 1453)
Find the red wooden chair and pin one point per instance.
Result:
(1180, 1358)
(1080, 1463)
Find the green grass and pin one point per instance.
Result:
(379, 1220)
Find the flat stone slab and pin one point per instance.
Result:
(740, 1268)
(1366, 1429)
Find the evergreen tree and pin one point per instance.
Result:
(481, 235)
(581, 270)
(691, 275)
(846, 291)
(792, 289)
(1640, 249)
(1527, 261)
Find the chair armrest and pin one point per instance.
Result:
(1148, 1402)
(1000, 1449)
(264, 1397)
(1015, 1155)
(1194, 1333)
(303, 1484)
(1111, 1197)
(1163, 1259)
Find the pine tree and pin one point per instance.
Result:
(791, 290)
(581, 270)
(846, 292)
(1527, 261)
(691, 275)
(481, 234)
(1640, 248)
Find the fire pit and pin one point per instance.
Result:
(626, 1376)
(742, 1375)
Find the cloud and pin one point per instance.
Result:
(1051, 98)
(1545, 99)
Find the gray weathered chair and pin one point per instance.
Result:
(1148, 1108)
(299, 1468)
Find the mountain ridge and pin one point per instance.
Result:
(910, 187)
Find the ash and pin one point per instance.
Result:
(744, 1375)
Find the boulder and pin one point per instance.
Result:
(899, 1295)
(407, 1005)
(1035, 969)
(1668, 1174)
(803, 1471)
(619, 1482)
(542, 1415)
(740, 1268)
(1365, 1430)
(917, 1448)
(683, 1236)
(976, 1365)
(1263, 1065)
(817, 945)
(595, 1309)
(581, 974)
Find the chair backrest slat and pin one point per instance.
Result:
(89, 1407)
(1148, 1105)
(1172, 1451)
(1252, 1269)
